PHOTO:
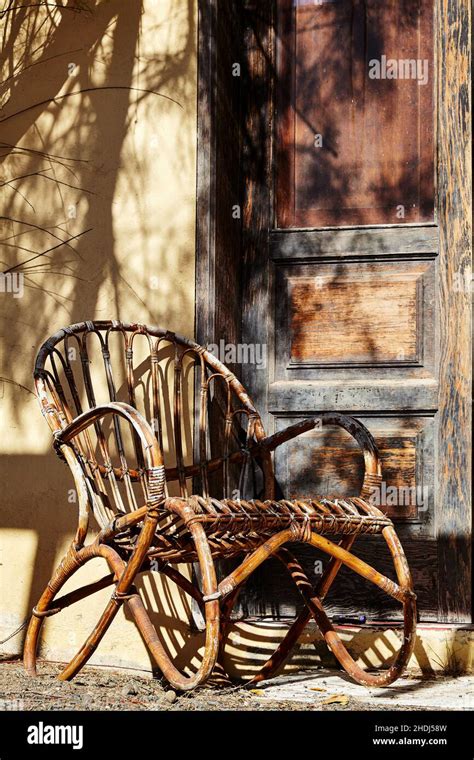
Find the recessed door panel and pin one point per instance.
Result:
(355, 117)
(362, 317)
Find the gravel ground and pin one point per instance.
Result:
(103, 689)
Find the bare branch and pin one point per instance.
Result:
(81, 92)
(37, 227)
(18, 385)
(51, 179)
(43, 153)
(48, 250)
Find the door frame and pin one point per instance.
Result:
(215, 317)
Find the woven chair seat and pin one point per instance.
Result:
(233, 527)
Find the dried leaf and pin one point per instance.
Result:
(316, 688)
(336, 699)
(258, 692)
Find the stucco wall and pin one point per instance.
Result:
(114, 166)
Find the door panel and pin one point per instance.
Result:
(355, 112)
(355, 319)
(269, 594)
(328, 461)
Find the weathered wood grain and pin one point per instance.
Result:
(368, 319)
(257, 125)
(205, 172)
(327, 462)
(218, 279)
(389, 395)
(438, 376)
(316, 245)
(369, 314)
(375, 150)
(455, 221)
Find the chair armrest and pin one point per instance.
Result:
(152, 451)
(373, 466)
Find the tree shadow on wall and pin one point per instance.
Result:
(83, 92)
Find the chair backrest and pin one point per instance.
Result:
(160, 374)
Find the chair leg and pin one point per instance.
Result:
(210, 599)
(284, 649)
(121, 594)
(227, 606)
(315, 607)
(72, 561)
(126, 593)
(340, 555)
(75, 558)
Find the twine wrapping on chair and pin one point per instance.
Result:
(301, 530)
(156, 484)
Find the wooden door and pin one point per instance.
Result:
(353, 177)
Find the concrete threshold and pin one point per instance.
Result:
(326, 687)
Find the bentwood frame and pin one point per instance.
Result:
(140, 522)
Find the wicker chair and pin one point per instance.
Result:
(152, 516)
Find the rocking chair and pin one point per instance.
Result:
(153, 515)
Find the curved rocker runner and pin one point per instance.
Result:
(115, 453)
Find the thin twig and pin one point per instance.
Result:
(40, 173)
(80, 92)
(37, 227)
(36, 63)
(24, 388)
(42, 153)
(15, 190)
(39, 5)
(48, 250)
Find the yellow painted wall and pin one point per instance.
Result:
(119, 166)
